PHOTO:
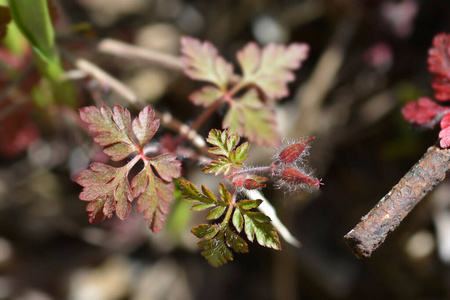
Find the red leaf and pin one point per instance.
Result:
(439, 55)
(203, 62)
(271, 68)
(444, 134)
(422, 112)
(441, 85)
(439, 63)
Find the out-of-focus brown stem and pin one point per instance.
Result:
(133, 52)
(374, 227)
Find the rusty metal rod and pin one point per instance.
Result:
(374, 227)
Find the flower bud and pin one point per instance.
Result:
(291, 153)
(296, 178)
(250, 184)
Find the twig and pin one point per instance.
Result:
(167, 120)
(132, 52)
(374, 227)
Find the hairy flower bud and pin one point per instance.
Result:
(250, 184)
(297, 178)
(292, 152)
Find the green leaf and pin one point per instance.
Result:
(251, 118)
(111, 130)
(206, 96)
(206, 231)
(154, 199)
(216, 251)
(238, 220)
(235, 242)
(104, 185)
(216, 213)
(204, 199)
(202, 62)
(271, 68)
(256, 223)
(223, 142)
(34, 21)
(217, 240)
(224, 145)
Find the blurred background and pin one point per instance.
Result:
(367, 59)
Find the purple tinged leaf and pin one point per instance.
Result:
(110, 184)
(111, 130)
(167, 166)
(203, 62)
(144, 126)
(271, 69)
(154, 199)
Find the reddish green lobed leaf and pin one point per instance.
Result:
(271, 68)
(111, 184)
(203, 62)
(167, 166)
(144, 126)
(154, 199)
(111, 130)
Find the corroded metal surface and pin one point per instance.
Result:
(371, 232)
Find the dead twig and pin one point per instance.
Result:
(422, 178)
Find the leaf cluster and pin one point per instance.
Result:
(108, 188)
(218, 239)
(251, 96)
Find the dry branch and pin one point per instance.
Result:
(374, 227)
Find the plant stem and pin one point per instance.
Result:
(422, 178)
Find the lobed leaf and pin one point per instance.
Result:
(144, 126)
(216, 251)
(224, 142)
(155, 196)
(111, 130)
(203, 200)
(271, 68)
(206, 95)
(251, 118)
(108, 189)
(202, 62)
(224, 146)
(218, 240)
(167, 166)
(255, 224)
